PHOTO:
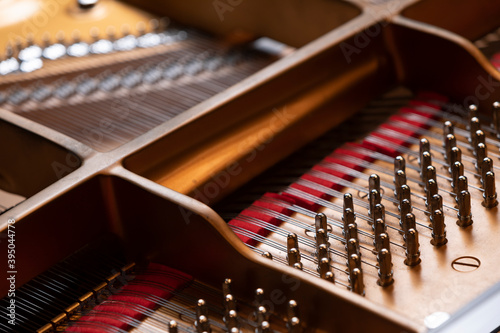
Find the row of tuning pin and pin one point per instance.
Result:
(483, 164)
(402, 193)
(128, 78)
(434, 202)
(230, 317)
(351, 241)
(407, 221)
(26, 56)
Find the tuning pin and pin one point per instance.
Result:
(9, 51)
(379, 226)
(292, 241)
(320, 222)
(425, 162)
(94, 34)
(405, 209)
(464, 209)
(399, 164)
(374, 199)
(293, 257)
(141, 28)
(262, 321)
(163, 24)
(294, 325)
(125, 30)
(381, 241)
(356, 281)
(229, 303)
(202, 324)
(385, 273)
(264, 327)
(379, 212)
(438, 229)
(486, 165)
(353, 262)
(231, 321)
(430, 173)
(226, 287)
(481, 154)
(348, 217)
(172, 326)
(352, 246)
(153, 25)
(351, 231)
(412, 248)
(408, 222)
(259, 297)
(436, 203)
(30, 40)
(432, 189)
(348, 201)
(479, 137)
(324, 270)
(18, 45)
(449, 142)
(488, 181)
(405, 193)
(61, 38)
(448, 129)
(455, 156)
(323, 251)
(230, 314)
(55, 50)
(457, 170)
(496, 117)
(321, 228)
(267, 255)
(374, 182)
(293, 253)
(201, 308)
(474, 126)
(292, 309)
(111, 33)
(425, 146)
(461, 185)
(321, 237)
(399, 180)
(472, 111)
(490, 194)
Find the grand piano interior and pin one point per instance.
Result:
(253, 166)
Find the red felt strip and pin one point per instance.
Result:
(120, 310)
(262, 216)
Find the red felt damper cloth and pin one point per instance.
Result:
(239, 221)
(158, 282)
